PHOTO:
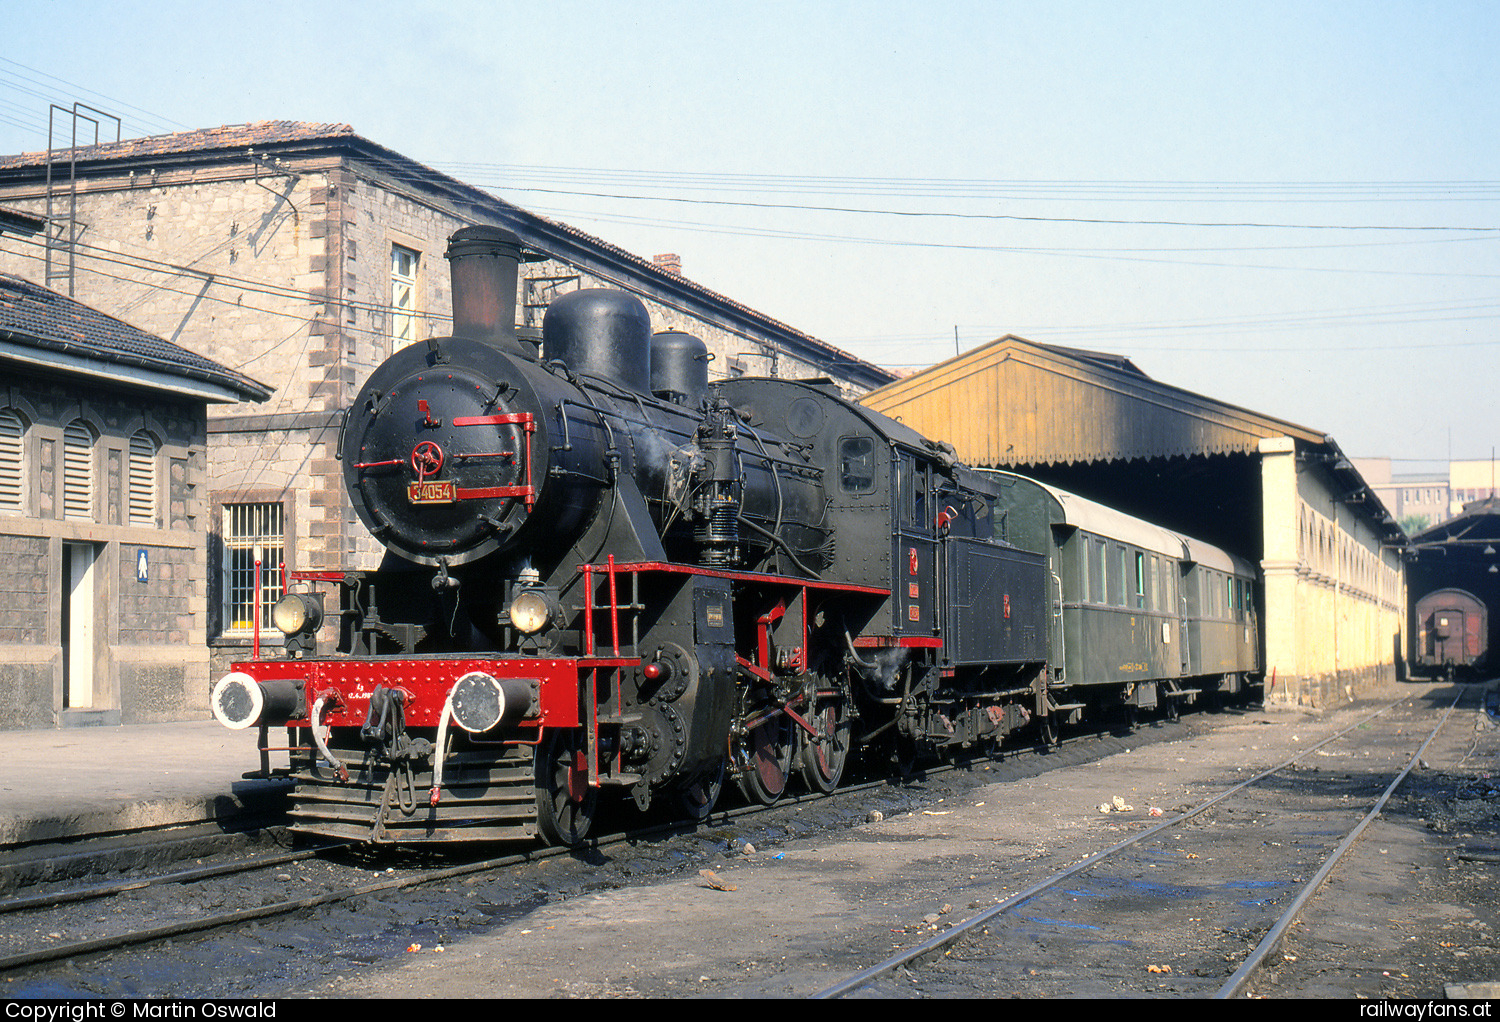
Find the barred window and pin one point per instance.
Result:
(78, 470)
(252, 532)
(142, 479)
(12, 466)
(403, 296)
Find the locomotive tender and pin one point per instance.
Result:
(603, 574)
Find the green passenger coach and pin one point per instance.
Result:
(1141, 615)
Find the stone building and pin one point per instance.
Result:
(103, 515)
(304, 254)
(1275, 493)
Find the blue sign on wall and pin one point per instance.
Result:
(142, 566)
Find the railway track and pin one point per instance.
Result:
(1124, 915)
(72, 921)
(47, 927)
(47, 864)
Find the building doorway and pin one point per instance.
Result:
(80, 619)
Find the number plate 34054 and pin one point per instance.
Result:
(431, 492)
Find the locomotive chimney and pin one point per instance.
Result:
(483, 263)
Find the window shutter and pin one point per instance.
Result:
(78, 470)
(142, 479)
(12, 482)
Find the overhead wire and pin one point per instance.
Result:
(1480, 235)
(1092, 254)
(1305, 320)
(304, 317)
(1012, 217)
(1165, 190)
(151, 264)
(139, 114)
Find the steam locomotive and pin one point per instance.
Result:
(605, 576)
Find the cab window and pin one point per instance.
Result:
(857, 464)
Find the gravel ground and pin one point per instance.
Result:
(811, 904)
(826, 889)
(1409, 913)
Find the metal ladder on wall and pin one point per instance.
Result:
(62, 231)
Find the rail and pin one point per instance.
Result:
(1268, 943)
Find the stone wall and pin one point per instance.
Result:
(160, 622)
(24, 592)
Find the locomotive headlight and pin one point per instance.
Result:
(530, 611)
(298, 612)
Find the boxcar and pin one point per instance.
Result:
(1452, 634)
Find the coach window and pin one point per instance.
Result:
(1100, 586)
(1140, 579)
(1115, 563)
(1093, 553)
(857, 464)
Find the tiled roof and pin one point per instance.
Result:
(281, 133)
(228, 136)
(36, 317)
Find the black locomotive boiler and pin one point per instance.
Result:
(603, 575)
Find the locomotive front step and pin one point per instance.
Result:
(483, 798)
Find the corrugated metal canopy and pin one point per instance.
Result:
(1015, 402)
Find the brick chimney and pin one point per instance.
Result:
(671, 262)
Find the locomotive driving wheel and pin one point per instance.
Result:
(694, 798)
(565, 801)
(767, 749)
(821, 760)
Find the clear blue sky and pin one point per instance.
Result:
(879, 174)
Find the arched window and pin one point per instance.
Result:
(78, 470)
(142, 478)
(12, 467)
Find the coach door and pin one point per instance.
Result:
(914, 581)
(1446, 632)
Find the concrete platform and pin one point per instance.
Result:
(80, 781)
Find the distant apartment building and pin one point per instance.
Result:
(1471, 481)
(1425, 499)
